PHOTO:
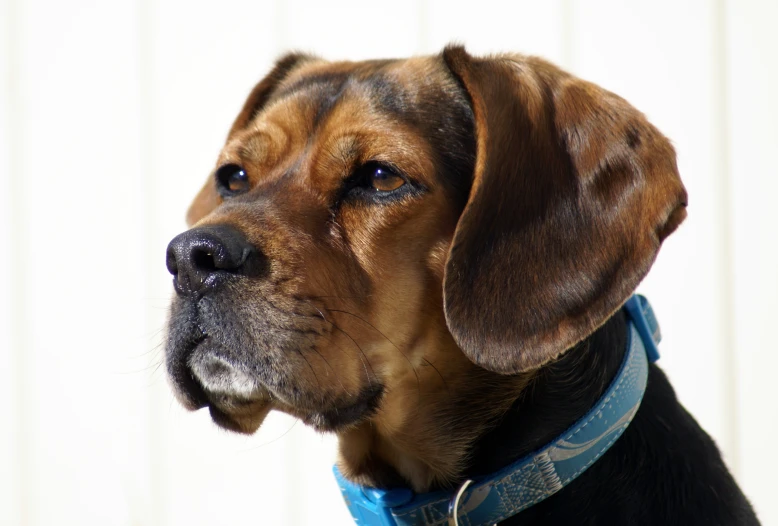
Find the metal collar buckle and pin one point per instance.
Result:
(453, 504)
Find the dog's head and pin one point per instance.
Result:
(375, 231)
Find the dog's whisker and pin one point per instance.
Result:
(363, 357)
(318, 382)
(445, 384)
(329, 340)
(334, 372)
(154, 349)
(150, 368)
(339, 297)
(365, 361)
(276, 439)
(418, 381)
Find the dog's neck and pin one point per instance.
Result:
(480, 422)
(557, 397)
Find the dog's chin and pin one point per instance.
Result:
(239, 401)
(236, 400)
(245, 422)
(233, 414)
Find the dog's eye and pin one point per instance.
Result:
(379, 177)
(231, 180)
(379, 183)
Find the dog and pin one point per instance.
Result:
(428, 257)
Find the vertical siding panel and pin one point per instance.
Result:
(12, 455)
(151, 460)
(660, 57)
(353, 29)
(79, 253)
(753, 113)
(723, 227)
(526, 26)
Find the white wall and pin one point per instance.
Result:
(111, 115)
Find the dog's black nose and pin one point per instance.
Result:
(200, 257)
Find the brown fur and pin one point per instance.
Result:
(542, 201)
(574, 187)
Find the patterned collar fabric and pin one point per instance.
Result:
(537, 476)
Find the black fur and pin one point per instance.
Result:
(664, 469)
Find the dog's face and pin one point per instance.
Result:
(380, 236)
(337, 189)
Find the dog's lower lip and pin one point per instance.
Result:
(241, 422)
(186, 388)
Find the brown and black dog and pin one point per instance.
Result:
(428, 258)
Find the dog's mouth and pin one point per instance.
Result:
(239, 401)
(236, 400)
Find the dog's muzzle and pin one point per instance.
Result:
(201, 260)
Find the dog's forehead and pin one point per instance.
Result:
(393, 85)
(401, 90)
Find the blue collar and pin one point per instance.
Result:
(537, 476)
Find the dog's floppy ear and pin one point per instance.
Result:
(207, 199)
(572, 195)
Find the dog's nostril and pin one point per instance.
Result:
(170, 260)
(202, 257)
(203, 260)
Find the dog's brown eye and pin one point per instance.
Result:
(231, 180)
(378, 183)
(382, 178)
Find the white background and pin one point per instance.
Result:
(111, 116)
